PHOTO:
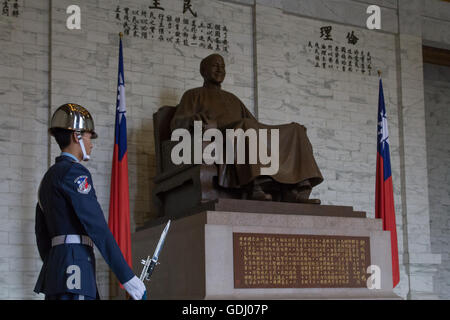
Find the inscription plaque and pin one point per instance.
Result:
(300, 261)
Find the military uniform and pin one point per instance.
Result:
(68, 212)
(69, 219)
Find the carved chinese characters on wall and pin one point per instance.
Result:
(10, 8)
(300, 261)
(327, 53)
(184, 28)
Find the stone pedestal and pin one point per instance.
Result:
(197, 259)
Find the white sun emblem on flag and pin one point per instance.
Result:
(383, 129)
(121, 98)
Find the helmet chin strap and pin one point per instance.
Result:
(86, 157)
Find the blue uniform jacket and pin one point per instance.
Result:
(68, 205)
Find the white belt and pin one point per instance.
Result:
(72, 238)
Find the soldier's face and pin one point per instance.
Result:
(215, 70)
(88, 142)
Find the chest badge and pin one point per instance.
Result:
(83, 185)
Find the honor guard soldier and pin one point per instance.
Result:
(69, 219)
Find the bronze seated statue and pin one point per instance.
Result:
(183, 187)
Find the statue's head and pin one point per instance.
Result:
(212, 69)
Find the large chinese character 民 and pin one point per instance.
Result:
(187, 6)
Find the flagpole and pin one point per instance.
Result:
(384, 194)
(113, 282)
(119, 211)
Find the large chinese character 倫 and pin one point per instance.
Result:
(352, 39)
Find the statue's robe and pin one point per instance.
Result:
(225, 111)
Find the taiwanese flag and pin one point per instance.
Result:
(384, 194)
(119, 206)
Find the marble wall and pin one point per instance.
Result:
(270, 67)
(24, 87)
(437, 101)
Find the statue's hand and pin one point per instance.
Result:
(211, 124)
(207, 123)
(200, 117)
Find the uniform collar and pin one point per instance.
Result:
(67, 154)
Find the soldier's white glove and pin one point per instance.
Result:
(135, 288)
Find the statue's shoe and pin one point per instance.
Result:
(261, 196)
(257, 193)
(298, 196)
(311, 201)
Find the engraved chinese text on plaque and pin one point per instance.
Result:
(300, 261)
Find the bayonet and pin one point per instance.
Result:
(151, 262)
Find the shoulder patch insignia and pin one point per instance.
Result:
(83, 185)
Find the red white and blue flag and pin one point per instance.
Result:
(119, 201)
(384, 194)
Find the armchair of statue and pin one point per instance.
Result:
(186, 188)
